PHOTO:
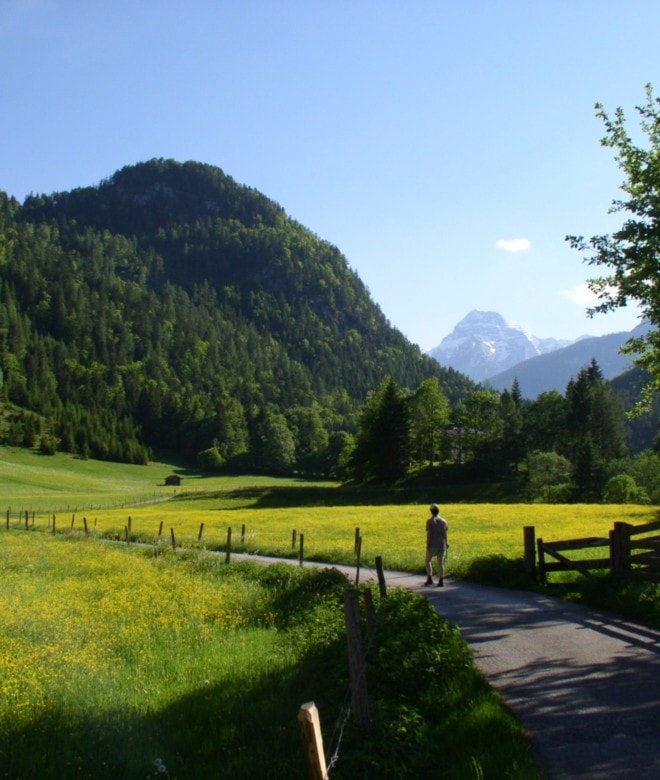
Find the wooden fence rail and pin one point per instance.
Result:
(629, 552)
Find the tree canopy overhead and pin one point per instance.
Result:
(632, 253)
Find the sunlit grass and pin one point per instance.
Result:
(396, 533)
(100, 646)
(117, 661)
(118, 656)
(63, 483)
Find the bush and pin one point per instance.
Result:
(47, 445)
(500, 571)
(547, 471)
(622, 489)
(210, 459)
(559, 494)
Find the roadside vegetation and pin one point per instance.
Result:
(123, 662)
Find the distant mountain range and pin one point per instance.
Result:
(491, 351)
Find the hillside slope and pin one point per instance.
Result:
(553, 370)
(172, 307)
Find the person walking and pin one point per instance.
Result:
(436, 545)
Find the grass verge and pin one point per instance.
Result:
(121, 662)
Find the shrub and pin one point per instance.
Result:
(210, 459)
(622, 489)
(546, 471)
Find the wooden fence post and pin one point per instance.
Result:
(228, 549)
(243, 534)
(27, 524)
(293, 539)
(356, 663)
(173, 539)
(312, 739)
(622, 546)
(542, 573)
(615, 552)
(85, 524)
(357, 540)
(53, 522)
(130, 524)
(8, 519)
(160, 529)
(358, 552)
(302, 549)
(529, 534)
(381, 576)
(201, 531)
(371, 618)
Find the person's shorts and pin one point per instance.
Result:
(437, 551)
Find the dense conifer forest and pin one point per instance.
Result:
(171, 308)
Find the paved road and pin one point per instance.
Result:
(584, 685)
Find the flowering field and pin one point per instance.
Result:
(394, 532)
(94, 608)
(122, 661)
(102, 646)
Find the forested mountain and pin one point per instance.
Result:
(171, 307)
(553, 370)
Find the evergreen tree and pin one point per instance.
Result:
(594, 431)
(382, 451)
(544, 423)
(513, 439)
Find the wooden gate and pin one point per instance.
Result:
(561, 562)
(634, 555)
(632, 551)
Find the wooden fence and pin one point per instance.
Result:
(628, 551)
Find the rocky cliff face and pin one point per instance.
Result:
(483, 344)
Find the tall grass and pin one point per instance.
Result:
(121, 662)
(396, 533)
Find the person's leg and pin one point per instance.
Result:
(441, 568)
(429, 568)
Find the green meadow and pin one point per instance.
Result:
(119, 660)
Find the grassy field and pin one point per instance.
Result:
(396, 533)
(263, 513)
(62, 483)
(121, 661)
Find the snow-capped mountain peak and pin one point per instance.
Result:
(484, 344)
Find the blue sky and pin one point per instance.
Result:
(421, 138)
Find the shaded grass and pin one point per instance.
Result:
(433, 714)
(211, 698)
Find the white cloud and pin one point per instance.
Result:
(580, 294)
(514, 244)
